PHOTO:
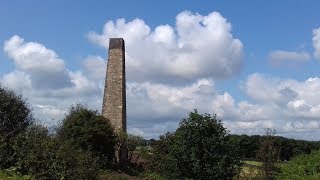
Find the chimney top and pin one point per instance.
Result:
(116, 43)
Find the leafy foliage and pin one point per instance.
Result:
(15, 114)
(89, 131)
(133, 142)
(248, 145)
(12, 175)
(301, 167)
(15, 117)
(287, 148)
(268, 155)
(47, 157)
(199, 149)
(164, 158)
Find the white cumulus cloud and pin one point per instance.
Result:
(197, 47)
(43, 65)
(95, 67)
(290, 99)
(17, 80)
(41, 77)
(32, 56)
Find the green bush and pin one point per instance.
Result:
(199, 149)
(301, 167)
(47, 157)
(12, 175)
(164, 159)
(91, 132)
(15, 117)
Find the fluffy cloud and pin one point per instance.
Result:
(95, 67)
(269, 90)
(197, 47)
(316, 42)
(283, 104)
(41, 76)
(17, 80)
(294, 103)
(307, 90)
(165, 100)
(32, 56)
(43, 65)
(156, 108)
(280, 56)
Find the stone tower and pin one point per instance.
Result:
(114, 99)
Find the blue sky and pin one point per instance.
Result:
(253, 63)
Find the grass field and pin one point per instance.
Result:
(255, 163)
(250, 170)
(6, 175)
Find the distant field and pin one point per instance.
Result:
(251, 170)
(255, 163)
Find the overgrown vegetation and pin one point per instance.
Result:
(47, 157)
(268, 155)
(301, 167)
(84, 147)
(199, 149)
(15, 117)
(89, 131)
(28, 149)
(287, 148)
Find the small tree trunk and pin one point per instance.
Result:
(123, 156)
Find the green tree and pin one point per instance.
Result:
(15, 117)
(164, 160)
(268, 154)
(89, 131)
(199, 149)
(248, 145)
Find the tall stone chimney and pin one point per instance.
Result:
(114, 99)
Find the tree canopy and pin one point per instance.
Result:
(89, 131)
(199, 149)
(15, 117)
(15, 114)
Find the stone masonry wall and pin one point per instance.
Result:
(114, 100)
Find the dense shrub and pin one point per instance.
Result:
(27, 149)
(15, 117)
(89, 131)
(301, 167)
(164, 159)
(47, 157)
(131, 143)
(199, 149)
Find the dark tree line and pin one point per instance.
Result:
(287, 148)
